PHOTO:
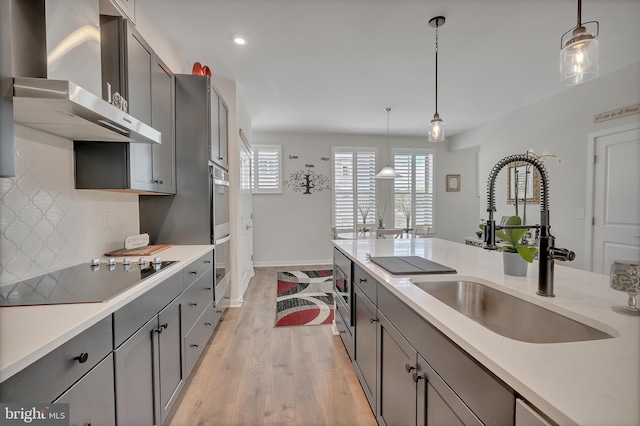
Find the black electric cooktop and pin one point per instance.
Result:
(84, 283)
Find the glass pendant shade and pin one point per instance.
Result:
(436, 129)
(387, 172)
(579, 60)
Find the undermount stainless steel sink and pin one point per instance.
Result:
(508, 315)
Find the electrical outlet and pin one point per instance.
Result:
(106, 220)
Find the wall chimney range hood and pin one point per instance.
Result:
(54, 53)
(62, 108)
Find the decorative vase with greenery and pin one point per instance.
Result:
(513, 251)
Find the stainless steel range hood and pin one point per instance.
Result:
(56, 69)
(65, 109)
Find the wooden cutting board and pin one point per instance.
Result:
(139, 251)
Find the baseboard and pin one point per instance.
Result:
(268, 264)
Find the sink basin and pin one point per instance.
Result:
(508, 315)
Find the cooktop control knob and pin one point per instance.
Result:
(95, 262)
(126, 261)
(112, 261)
(142, 261)
(157, 261)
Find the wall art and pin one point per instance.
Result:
(307, 181)
(453, 183)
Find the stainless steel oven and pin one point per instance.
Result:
(220, 201)
(343, 290)
(222, 260)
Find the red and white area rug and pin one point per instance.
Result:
(304, 298)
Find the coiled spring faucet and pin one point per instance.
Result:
(547, 252)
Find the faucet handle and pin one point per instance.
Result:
(560, 254)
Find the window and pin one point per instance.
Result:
(354, 186)
(413, 191)
(267, 169)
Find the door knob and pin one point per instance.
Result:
(372, 320)
(82, 358)
(416, 377)
(409, 368)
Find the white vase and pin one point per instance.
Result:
(514, 264)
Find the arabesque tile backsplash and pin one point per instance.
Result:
(47, 224)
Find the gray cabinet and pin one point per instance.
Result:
(91, 399)
(365, 354)
(396, 386)
(149, 369)
(131, 68)
(219, 125)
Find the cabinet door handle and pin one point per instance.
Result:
(363, 280)
(207, 261)
(193, 272)
(208, 288)
(193, 304)
(161, 328)
(416, 377)
(208, 323)
(372, 320)
(218, 312)
(409, 368)
(194, 345)
(82, 358)
(160, 181)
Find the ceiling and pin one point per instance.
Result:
(334, 65)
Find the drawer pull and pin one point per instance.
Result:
(372, 320)
(194, 345)
(193, 272)
(363, 280)
(193, 304)
(207, 261)
(82, 358)
(208, 323)
(161, 328)
(218, 312)
(208, 288)
(416, 377)
(409, 368)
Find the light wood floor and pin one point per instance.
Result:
(255, 374)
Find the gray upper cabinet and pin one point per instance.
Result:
(219, 122)
(131, 68)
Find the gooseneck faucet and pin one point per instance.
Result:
(547, 251)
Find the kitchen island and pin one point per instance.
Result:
(594, 382)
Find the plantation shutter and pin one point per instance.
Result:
(354, 186)
(267, 165)
(413, 191)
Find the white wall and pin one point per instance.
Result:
(295, 229)
(561, 125)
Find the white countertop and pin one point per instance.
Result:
(27, 333)
(586, 383)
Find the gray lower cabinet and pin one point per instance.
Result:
(198, 337)
(365, 354)
(437, 403)
(91, 399)
(396, 387)
(148, 370)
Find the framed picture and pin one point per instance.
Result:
(453, 183)
(523, 180)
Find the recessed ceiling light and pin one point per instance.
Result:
(239, 40)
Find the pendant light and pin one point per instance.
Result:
(387, 172)
(579, 54)
(436, 129)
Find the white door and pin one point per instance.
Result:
(616, 200)
(246, 217)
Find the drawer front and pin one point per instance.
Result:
(197, 268)
(50, 376)
(196, 298)
(135, 314)
(366, 283)
(197, 338)
(345, 334)
(222, 302)
(92, 399)
(489, 398)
